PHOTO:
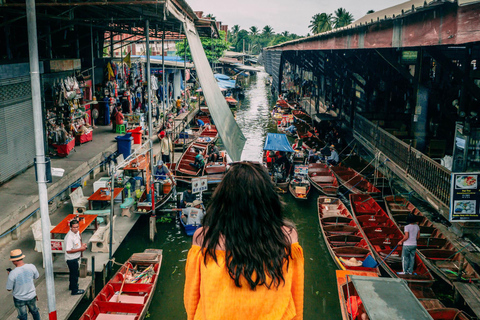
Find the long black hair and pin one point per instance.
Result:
(245, 213)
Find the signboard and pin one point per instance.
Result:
(409, 57)
(465, 197)
(199, 184)
(58, 246)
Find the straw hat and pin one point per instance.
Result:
(16, 255)
(332, 146)
(196, 203)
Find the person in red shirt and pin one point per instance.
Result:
(119, 118)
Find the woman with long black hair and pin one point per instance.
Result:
(245, 262)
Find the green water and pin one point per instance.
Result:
(321, 297)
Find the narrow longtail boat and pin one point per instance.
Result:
(438, 253)
(348, 250)
(302, 116)
(354, 181)
(277, 142)
(323, 179)
(184, 167)
(383, 235)
(300, 186)
(303, 129)
(377, 298)
(129, 293)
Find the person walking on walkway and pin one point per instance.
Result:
(409, 241)
(245, 262)
(20, 282)
(166, 148)
(73, 250)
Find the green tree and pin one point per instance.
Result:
(267, 31)
(242, 35)
(234, 33)
(214, 48)
(342, 18)
(254, 31)
(285, 34)
(321, 22)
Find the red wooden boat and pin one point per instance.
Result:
(129, 293)
(300, 186)
(323, 179)
(354, 181)
(302, 116)
(438, 253)
(184, 167)
(448, 314)
(303, 129)
(383, 235)
(348, 250)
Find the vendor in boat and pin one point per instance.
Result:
(270, 159)
(283, 161)
(193, 215)
(200, 123)
(188, 198)
(199, 161)
(161, 171)
(213, 153)
(333, 159)
(313, 156)
(292, 129)
(229, 261)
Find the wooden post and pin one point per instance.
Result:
(153, 227)
(92, 287)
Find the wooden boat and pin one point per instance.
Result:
(378, 298)
(354, 181)
(129, 293)
(185, 138)
(183, 166)
(231, 101)
(277, 142)
(300, 186)
(302, 116)
(438, 253)
(383, 235)
(448, 314)
(304, 130)
(368, 170)
(323, 179)
(342, 237)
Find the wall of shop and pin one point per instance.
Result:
(17, 140)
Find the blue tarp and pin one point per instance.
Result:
(277, 142)
(220, 76)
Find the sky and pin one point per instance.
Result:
(293, 16)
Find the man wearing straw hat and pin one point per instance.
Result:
(20, 282)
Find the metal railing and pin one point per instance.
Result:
(428, 173)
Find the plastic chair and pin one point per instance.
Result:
(120, 128)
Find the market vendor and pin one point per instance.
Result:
(161, 171)
(194, 214)
(188, 198)
(119, 117)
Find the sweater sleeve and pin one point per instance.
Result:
(191, 295)
(297, 265)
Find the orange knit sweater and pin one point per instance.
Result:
(210, 293)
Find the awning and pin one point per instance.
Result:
(228, 129)
(388, 298)
(277, 142)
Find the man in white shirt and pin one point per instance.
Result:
(20, 282)
(166, 148)
(73, 251)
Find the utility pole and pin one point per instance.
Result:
(40, 156)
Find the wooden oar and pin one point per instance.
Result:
(123, 282)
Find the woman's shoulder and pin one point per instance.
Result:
(198, 237)
(291, 232)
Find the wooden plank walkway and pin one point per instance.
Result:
(471, 294)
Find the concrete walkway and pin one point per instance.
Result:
(19, 198)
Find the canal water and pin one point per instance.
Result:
(321, 297)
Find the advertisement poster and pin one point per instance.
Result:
(199, 184)
(465, 197)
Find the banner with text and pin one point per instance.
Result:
(465, 197)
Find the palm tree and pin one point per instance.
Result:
(321, 22)
(342, 18)
(267, 31)
(285, 34)
(253, 31)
